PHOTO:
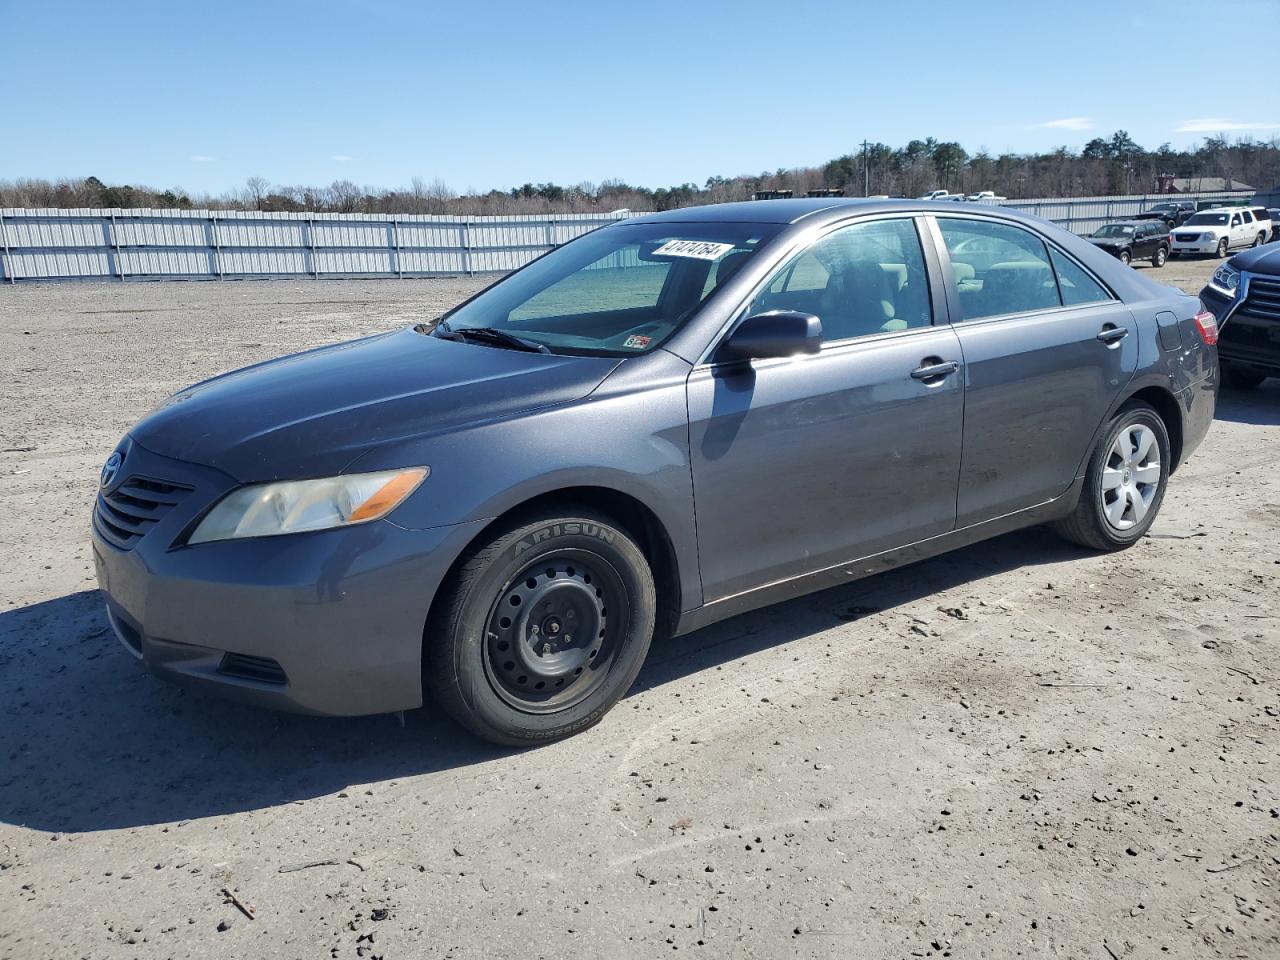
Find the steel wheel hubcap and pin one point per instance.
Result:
(1130, 477)
(551, 634)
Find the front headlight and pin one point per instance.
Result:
(1226, 279)
(1206, 237)
(270, 509)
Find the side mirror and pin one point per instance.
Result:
(775, 333)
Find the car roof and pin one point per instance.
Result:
(818, 209)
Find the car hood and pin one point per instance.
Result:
(1109, 241)
(1216, 229)
(314, 413)
(1263, 259)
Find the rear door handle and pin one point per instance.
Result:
(935, 370)
(1110, 334)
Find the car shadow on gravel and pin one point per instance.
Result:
(90, 742)
(1259, 406)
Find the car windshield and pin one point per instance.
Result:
(617, 291)
(1114, 230)
(1208, 219)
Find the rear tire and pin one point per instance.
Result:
(1125, 481)
(543, 628)
(1222, 248)
(1239, 377)
(1159, 259)
(1260, 239)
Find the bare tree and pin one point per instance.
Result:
(257, 189)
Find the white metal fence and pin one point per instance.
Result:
(213, 244)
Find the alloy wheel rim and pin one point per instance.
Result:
(553, 631)
(1130, 477)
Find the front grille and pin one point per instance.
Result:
(124, 515)
(245, 667)
(1263, 300)
(1186, 237)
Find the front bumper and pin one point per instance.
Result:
(1199, 246)
(327, 622)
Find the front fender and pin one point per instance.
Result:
(630, 436)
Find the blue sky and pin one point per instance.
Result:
(203, 95)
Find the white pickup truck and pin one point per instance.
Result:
(988, 195)
(937, 195)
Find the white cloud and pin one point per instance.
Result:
(1066, 123)
(201, 158)
(1221, 125)
(342, 158)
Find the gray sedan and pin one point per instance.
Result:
(666, 422)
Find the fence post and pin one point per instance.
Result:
(551, 236)
(309, 254)
(465, 241)
(115, 246)
(7, 265)
(395, 247)
(215, 245)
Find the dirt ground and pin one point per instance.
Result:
(1018, 750)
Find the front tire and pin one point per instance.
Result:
(1125, 257)
(1159, 259)
(543, 628)
(1125, 483)
(1222, 248)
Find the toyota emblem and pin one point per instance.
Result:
(110, 469)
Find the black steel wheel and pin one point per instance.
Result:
(550, 639)
(542, 628)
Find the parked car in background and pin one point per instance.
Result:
(497, 507)
(1173, 212)
(1134, 240)
(1217, 231)
(1244, 294)
(988, 195)
(936, 195)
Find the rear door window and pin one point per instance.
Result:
(1075, 284)
(998, 268)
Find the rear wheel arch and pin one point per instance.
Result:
(1166, 406)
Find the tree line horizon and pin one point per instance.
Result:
(1111, 166)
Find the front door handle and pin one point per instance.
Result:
(1110, 334)
(932, 369)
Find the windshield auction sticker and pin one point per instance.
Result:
(694, 249)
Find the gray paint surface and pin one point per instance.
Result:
(767, 479)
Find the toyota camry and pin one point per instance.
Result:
(668, 421)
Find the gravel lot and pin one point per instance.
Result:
(1019, 749)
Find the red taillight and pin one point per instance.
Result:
(1207, 324)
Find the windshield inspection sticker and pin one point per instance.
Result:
(636, 343)
(695, 249)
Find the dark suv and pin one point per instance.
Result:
(1244, 294)
(1134, 240)
(1174, 213)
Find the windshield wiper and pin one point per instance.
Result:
(492, 336)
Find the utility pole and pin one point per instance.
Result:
(866, 171)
